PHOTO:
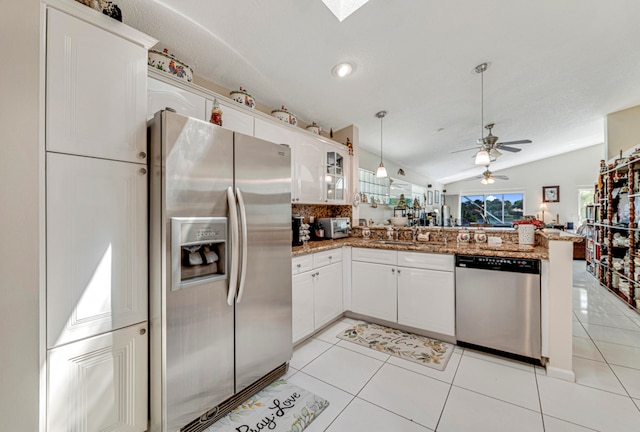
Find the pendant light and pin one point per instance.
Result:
(382, 171)
(482, 157)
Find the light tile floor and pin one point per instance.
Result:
(371, 391)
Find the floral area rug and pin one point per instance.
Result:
(408, 346)
(279, 407)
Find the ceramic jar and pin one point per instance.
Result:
(168, 63)
(313, 127)
(463, 236)
(480, 236)
(242, 97)
(283, 115)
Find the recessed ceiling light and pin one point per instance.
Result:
(341, 70)
(343, 8)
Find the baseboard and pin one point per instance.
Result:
(563, 374)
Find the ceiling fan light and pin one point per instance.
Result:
(382, 171)
(482, 158)
(491, 180)
(495, 153)
(484, 181)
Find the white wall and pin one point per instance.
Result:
(570, 171)
(19, 230)
(371, 161)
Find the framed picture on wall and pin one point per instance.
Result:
(550, 193)
(436, 197)
(429, 197)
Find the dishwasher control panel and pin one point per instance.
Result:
(517, 265)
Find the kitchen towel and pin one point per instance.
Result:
(279, 407)
(418, 349)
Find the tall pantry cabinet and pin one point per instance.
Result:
(96, 221)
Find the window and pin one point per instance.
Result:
(585, 197)
(496, 209)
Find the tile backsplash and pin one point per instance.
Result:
(320, 210)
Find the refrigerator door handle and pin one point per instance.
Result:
(235, 249)
(245, 240)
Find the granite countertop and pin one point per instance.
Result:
(506, 250)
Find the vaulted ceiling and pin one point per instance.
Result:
(556, 68)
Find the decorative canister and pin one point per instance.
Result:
(366, 232)
(168, 63)
(241, 96)
(285, 116)
(463, 236)
(480, 236)
(526, 234)
(313, 127)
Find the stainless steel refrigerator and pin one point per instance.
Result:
(220, 270)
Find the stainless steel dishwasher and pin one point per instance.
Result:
(498, 304)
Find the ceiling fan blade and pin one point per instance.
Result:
(510, 149)
(501, 177)
(500, 144)
(467, 149)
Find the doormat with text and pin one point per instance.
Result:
(279, 407)
(418, 349)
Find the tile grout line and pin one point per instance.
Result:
(446, 399)
(535, 373)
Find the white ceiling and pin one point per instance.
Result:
(556, 68)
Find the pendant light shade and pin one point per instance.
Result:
(482, 157)
(382, 171)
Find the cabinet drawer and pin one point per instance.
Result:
(426, 261)
(378, 256)
(321, 259)
(301, 264)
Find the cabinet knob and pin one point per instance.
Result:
(142, 155)
(297, 199)
(393, 270)
(330, 257)
(398, 271)
(143, 171)
(143, 331)
(298, 265)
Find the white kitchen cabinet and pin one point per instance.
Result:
(302, 304)
(411, 288)
(100, 383)
(161, 95)
(337, 171)
(96, 91)
(426, 300)
(317, 296)
(308, 168)
(327, 294)
(96, 246)
(373, 290)
(273, 132)
(232, 118)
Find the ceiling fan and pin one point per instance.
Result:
(489, 149)
(488, 177)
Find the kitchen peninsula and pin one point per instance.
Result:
(554, 250)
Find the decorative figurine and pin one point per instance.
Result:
(216, 113)
(402, 202)
(350, 147)
(331, 133)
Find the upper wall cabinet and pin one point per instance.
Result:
(96, 91)
(162, 95)
(307, 170)
(336, 174)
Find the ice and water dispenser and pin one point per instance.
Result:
(198, 250)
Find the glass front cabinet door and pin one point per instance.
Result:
(336, 175)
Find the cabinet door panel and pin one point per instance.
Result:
(96, 246)
(327, 294)
(96, 91)
(162, 95)
(373, 290)
(302, 304)
(100, 383)
(426, 300)
(232, 118)
(308, 181)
